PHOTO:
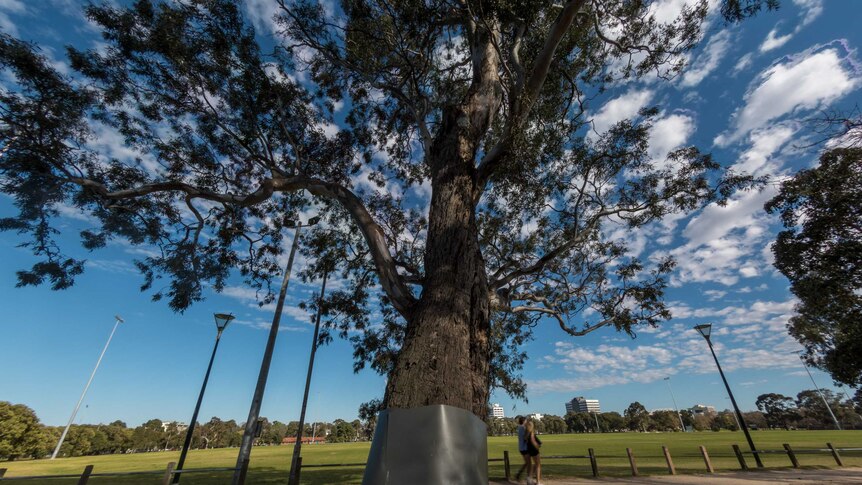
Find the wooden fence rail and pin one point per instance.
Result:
(169, 472)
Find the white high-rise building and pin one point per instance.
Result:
(497, 411)
(699, 409)
(583, 405)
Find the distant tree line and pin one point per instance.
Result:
(22, 435)
(807, 411)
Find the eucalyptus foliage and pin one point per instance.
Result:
(484, 104)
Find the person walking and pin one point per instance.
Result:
(533, 445)
(522, 448)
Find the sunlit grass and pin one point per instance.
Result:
(269, 465)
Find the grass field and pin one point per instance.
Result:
(269, 465)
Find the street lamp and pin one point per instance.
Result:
(221, 321)
(293, 479)
(81, 399)
(705, 331)
(675, 407)
(254, 412)
(825, 403)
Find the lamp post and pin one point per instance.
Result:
(81, 399)
(675, 407)
(825, 403)
(254, 412)
(221, 321)
(705, 331)
(297, 447)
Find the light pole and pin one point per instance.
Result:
(825, 403)
(297, 447)
(675, 407)
(77, 406)
(705, 331)
(256, 401)
(221, 321)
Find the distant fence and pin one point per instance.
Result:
(169, 472)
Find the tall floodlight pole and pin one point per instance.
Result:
(675, 407)
(297, 447)
(705, 331)
(256, 401)
(819, 391)
(221, 321)
(77, 406)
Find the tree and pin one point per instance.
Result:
(554, 424)
(725, 420)
(613, 421)
(813, 410)
(21, 434)
(664, 421)
(149, 436)
(637, 417)
(755, 420)
(368, 415)
(820, 252)
(703, 421)
(778, 409)
(232, 148)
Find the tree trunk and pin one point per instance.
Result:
(446, 353)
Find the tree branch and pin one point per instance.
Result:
(393, 283)
(532, 86)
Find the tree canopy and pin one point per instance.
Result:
(486, 103)
(820, 252)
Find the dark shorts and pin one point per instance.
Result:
(523, 452)
(533, 452)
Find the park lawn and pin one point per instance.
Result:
(269, 464)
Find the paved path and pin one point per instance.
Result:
(849, 475)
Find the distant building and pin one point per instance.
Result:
(180, 427)
(699, 409)
(535, 417)
(497, 411)
(583, 405)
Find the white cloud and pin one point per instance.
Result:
(621, 108)
(7, 24)
(708, 60)
(667, 134)
(111, 266)
(774, 41)
(723, 239)
(758, 159)
(743, 62)
(262, 13)
(810, 10)
(804, 82)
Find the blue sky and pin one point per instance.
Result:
(745, 97)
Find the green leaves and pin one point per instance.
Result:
(21, 434)
(820, 252)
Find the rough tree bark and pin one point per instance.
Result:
(446, 353)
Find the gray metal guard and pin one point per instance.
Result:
(431, 445)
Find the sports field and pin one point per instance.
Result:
(269, 465)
